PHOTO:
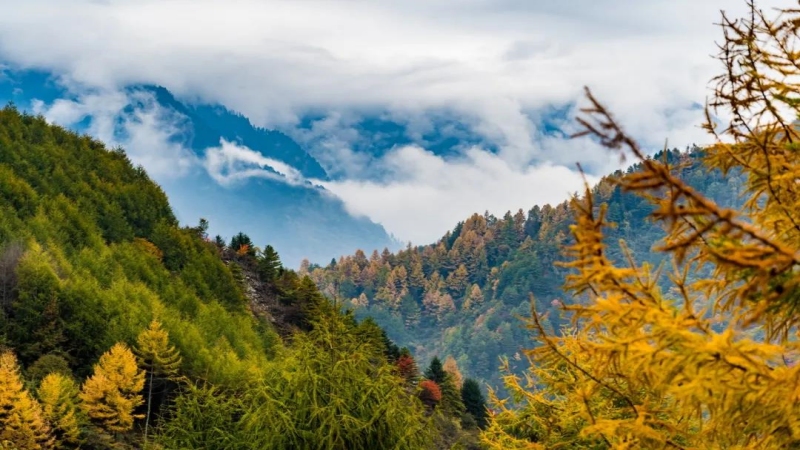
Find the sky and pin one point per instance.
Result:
(496, 65)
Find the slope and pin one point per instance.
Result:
(462, 295)
(247, 187)
(95, 270)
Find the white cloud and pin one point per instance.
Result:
(230, 163)
(426, 192)
(145, 131)
(494, 62)
(272, 59)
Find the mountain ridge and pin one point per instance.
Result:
(463, 295)
(301, 219)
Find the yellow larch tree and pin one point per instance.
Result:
(451, 366)
(22, 423)
(111, 394)
(160, 359)
(711, 362)
(58, 395)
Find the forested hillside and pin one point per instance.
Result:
(463, 296)
(118, 329)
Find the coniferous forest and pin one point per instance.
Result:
(657, 309)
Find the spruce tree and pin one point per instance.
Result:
(435, 372)
(474, 401)
(269, 265)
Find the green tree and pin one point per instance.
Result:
(435, 371)
(204, 417)
(334, 390)
(242, 241)
(159, 359)
(474, 402)
(269, 264)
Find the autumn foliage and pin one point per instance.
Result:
(58, 395)
(699, 354)
(22, 422)
(112, 393)
(407, 367)
(429, 393)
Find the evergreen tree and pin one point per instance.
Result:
(435, 372)
(111, 394)
(341, 394)
(269, 264)
(474, 402)
(204, 417)
(242, 243)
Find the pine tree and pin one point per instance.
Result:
(111, 394)
(59, 397)
(269, 265)
(474, 402)
(160, 359)
(435, 372)
(416, 279)
(334, 390)
(22, 422)
(242, 243)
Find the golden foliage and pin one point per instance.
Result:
(710, 363)
(22, 424)
(58, 395)
(111, 394)
(451, 366)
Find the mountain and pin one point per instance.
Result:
(463, 295)
(119, 329)
(225, 169)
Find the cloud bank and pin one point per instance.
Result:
(495, 63)
(425, 192)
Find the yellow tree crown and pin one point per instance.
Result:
(59, 397)
(709, 363)
(111, 394)
(22, 423)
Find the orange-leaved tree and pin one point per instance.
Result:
(701, 353)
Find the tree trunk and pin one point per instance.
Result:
(149, 405)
